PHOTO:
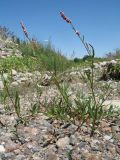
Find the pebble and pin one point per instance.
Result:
(106, 137)
(2, 149)
(11, 146)
(82, 144)
(20, 157)
(14, 72)
(116, 128)
(14, 84)
(52, 156)
(63, 142)
(73, 140)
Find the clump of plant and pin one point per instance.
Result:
(14, 99)
(87, 108)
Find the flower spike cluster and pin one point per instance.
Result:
(31, 41)
(89, 48)
(24, 30)
(64, 17)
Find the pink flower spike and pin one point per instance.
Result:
(78, 33)
(64, 17)
(68, 20)
(24, 29)
(61, 13)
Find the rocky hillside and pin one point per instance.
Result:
(8, 48)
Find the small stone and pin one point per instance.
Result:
(107, 129)
(111, 148)
(20, 157)
(45, 123)
(94, 157)
(115, 128)
(14, 84)
(82, 144)
(63, 142)
(9, 155)
(72, 128)
(106, 137)
(2, 149)
(113, 61)
(52, 156)
(117, 136)
(35, 157)
(103, 124)
(37, 73)
(14, 72)
(73, 140)
(17, 151)
(84, 128)
(23, 80)
(11, 146)
(118, 149)
(29, 74)
(31, 131)
(95, 145)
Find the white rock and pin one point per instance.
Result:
(2, 149)
(103, 64)
(29, 74)
(106, 137)
(96, 65)
(37, 73)
(23, 79)
(113, 62)
(63, 142)
(14, 72)
(19, 81)
(14, 84)
(73, 73)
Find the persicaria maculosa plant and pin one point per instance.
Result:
(95, 108)
(33, 45)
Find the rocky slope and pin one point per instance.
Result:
(8, 48)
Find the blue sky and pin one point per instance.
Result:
(98, 20)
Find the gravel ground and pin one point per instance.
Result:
(45, 139)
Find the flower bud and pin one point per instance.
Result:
(78, 33)
(68, 20)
